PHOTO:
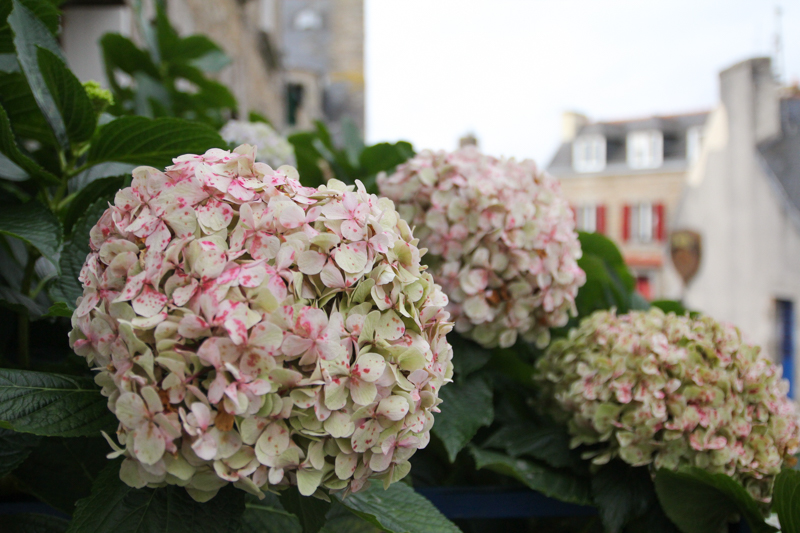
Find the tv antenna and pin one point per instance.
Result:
(778, 43)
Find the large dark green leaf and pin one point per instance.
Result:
(35, 224)
(102, 189)
(384, 157)
(468, 356)
(142, 141)
(24, 114)
(609, 283)
(114, 507)
(14, 449)
(398, 510)
(558, 484)
(70, 97)
(621, 493)
(59, 462)
(33, 523)
(20, 304)
(67, 288)
(309, 510)
(44, 10)
(30, 33)
(14, 162)
(120, 52)
(699, 502)
(52, 404)
(308, 159)
(786, 500)
(467, 407)
(268, 516)
(546, 443)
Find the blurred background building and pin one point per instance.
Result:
(293, 61)
(624, 179)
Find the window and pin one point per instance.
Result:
(591, 218)
(644, 286)
(785, 337)
(589, 153)
(643, 222)
(645, 149)
(694, 139)
(294, 102)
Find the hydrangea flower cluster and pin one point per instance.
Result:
(273, 149)
(671, 390)
(253, 331)
(503, 240)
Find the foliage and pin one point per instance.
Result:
(319, 158)
(169, 76)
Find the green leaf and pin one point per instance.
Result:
(546, 443)
(341, 520)
(96, 172)
(353, 143)
(468, 356)
(120, 52)
(398, 510)
(653, 521)
(609, 283)
(309, 510)
(57, 462)
(44, 10)
(59, 309)
(384, 157)
(34, 523)
(622, 493)
(114, 507)
(786, 500)
(29, 34)
(35, 224)
(70, 97)
(699, 502)
(467, 407)
(558, 484)
(192, 48)
(143, 141)
(52, 404)
(102, 189)
(20, 304)
(14, 449)
(24, 114)
(67, 288)
(268, 516)
(308, 159)
(12, 153)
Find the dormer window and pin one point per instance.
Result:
(694, 138)
(645, 149)
(589, 153)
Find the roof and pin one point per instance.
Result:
(673, 127)
(782, 155)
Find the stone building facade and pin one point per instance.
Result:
(294, 61)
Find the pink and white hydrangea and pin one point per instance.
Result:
(502, 237)
(250, 330)
(667, 391)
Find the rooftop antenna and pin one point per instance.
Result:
(778, 52)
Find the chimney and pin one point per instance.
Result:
(751, 97)
(571, 124)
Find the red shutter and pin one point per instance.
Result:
(658, 221)
(601, 220)
(626, 223)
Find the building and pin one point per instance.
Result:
(624, 179)
(294, 61)
(743, 197)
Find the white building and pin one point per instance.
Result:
(743, 197)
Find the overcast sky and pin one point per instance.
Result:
(506, 69)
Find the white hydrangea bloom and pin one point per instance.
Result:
(253, 331)
(272, 148)
(502, 238)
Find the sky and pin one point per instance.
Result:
(505, 70)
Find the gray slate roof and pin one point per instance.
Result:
(673, 127)
(782, 155)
